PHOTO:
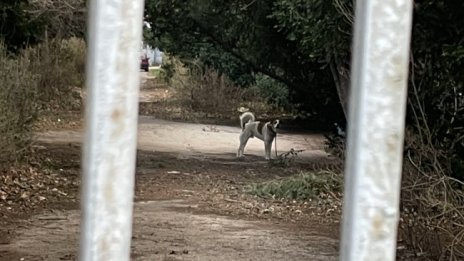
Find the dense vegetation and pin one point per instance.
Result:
(246, 39)
(306, 46)
(41, 64)
(24, 22)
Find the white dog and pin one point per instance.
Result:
(251, 128)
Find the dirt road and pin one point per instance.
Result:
(168, 230)
(190, 203)
(202, 141)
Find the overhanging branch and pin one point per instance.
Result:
(232, 50)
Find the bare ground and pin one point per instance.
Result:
(190, 200)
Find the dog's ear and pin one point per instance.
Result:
(276, 123)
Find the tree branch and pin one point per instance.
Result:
(231, 49)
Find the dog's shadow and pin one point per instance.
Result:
(231, 159)
(250, 158)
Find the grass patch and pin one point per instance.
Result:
(158, 73)
(303, 186)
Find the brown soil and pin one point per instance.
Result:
(190, 199)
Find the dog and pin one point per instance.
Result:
(265, 131)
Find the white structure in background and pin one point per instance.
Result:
(155, 56)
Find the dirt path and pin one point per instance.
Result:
(202, 141)
(168, 230)
(189, 203)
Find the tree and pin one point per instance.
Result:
(322, 31)
(27, 22)
(242, 38)
(62, 19)
(306, 45)
(17, 28)
(436, 91)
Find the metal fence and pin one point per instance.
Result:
(375, 134)
(376, 129)
(114, 36)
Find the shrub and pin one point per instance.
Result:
(275, 93)
(432, 221)
(204, 89)
(18, 105)
(60, 67)
(39, 78)
(303, 186)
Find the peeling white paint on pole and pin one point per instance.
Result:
(376, 129)
(114, 37)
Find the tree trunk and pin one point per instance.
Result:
(341, 76)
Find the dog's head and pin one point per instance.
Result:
(273, 125)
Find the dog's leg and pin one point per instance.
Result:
(267, 149)
(244, 136)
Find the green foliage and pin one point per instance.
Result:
(437, 83)
(303, 186)
(158, 73)
(275, 93)
(25, 23)
(306, 45)
(169, 67)
(321, 29)
(241, 39)
(17, 28)
(60, 19)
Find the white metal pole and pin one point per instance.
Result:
(114, 37)
(376, 129)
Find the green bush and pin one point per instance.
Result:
(303, 186)
(275, 93)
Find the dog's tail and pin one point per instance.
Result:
(245, 118)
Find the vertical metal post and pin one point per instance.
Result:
(114, 37)
(376, 129)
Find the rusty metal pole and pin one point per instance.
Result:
(382, 35)
(109, 151)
